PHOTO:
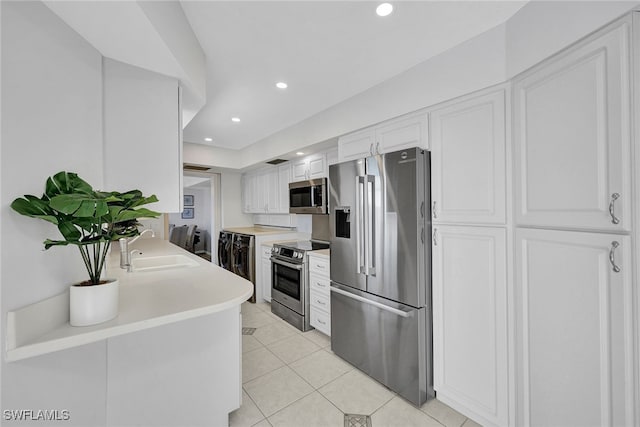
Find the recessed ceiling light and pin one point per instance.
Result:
(300, 153)
(281, 85)
(235, 119)
(208, 139)
(384, 9)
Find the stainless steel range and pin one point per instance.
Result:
(289, 281)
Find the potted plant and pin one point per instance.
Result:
(90, 220)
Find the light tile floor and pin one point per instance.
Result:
(293, 379)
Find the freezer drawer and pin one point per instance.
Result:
(387, 340)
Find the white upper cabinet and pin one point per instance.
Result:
(356, 145)
(393, 135)
(266, 190)
(310, 167)
(574, 329)
(572, 136)
(404, 132)
(284, 173)
(470, 358)
(468, 160)
(143, 134)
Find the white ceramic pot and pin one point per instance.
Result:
(90, 305)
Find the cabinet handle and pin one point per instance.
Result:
(371, 149)
(320, 302)
(433, 210)
(321, 285)
(612, 256)
(435, 237)
(321, 322)
(378, 148)
(422, 209)
(320, 266)
(614, 197)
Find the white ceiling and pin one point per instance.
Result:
(327, 51)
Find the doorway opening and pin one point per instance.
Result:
(197, 226)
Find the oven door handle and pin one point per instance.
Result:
(286, 264)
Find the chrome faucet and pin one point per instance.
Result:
(125, 255)
(131, 253)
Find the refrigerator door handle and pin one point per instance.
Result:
(370, 224)
(360, 267)
(395, 311)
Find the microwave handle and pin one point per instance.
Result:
(313, 202)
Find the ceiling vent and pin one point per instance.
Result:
(276, 161)
(195, 168)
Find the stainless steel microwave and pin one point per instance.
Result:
(308, 197)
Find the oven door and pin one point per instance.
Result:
(287, 284)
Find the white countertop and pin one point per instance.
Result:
(147, 299)
(259, 231)
(320, 252)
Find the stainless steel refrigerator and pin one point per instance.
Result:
(381, 269)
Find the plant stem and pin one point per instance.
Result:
(86, 260)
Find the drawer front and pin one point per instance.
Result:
(321, 321)
(320, 301)
(319, 284)
(319, 265)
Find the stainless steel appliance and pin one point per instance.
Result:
(225, 254)
(242, 259)
(381, 270)
(308, 197)
(289, 281)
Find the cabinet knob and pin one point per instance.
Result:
(435, 237)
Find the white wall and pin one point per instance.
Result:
(542, 28)
(231, 195)
(51, 121)
(472, 65)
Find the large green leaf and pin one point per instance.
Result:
(79, 205)
(129, 214)
(69, 231)
(35, 208)
(66, 183)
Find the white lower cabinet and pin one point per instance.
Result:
(470, 321)
(574, 305)
(319, 299)
(265, 278)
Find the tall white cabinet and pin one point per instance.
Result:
(470, 321)
(575, 360)
(573, 134)
(575, 328)
(469, 250)
(142, 133)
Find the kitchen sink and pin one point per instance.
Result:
(162, 262)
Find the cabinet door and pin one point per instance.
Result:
(470, 321)
(402, 133)
(284, 173)
(572, 136)
(574, 329)
(142, 134)
(271, 190)
(266, 279)
(317, 166)
(356, 145)
(247, 193)
(468, 161)
(259, 198)
(299, 170)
